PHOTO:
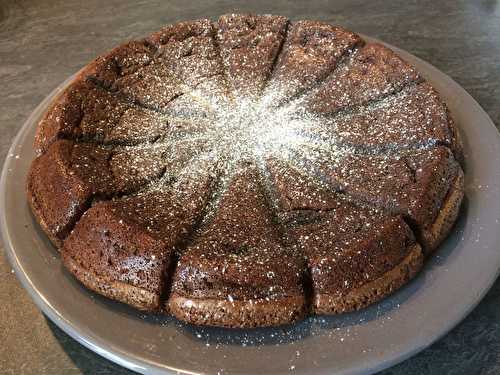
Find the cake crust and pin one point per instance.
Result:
(137, 297)
(238, 314)
(247, 172)
(432, 236)
(372, 291)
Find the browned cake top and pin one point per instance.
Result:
(245, 145)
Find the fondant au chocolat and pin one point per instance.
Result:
(247, 172)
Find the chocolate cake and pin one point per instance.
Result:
(247, 172)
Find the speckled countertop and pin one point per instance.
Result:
(42, 42)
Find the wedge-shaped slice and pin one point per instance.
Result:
(249, 46)
(137, 125)
(120, 62)
(372, 73)
(189, 50)
(355, 255)
(186, 62)
(237, 273)
(152, 86)
(425, 185)
(132, 71)
(89, 112)
(311, 51)
(414, 118)
(123, 248)
(175, 61)
(63, 181)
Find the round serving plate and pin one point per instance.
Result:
(452, 282)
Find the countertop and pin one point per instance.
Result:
(42, 42)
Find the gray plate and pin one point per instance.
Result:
(451, 284)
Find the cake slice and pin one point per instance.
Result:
(85, 111)
(178, 60)
(189, 50)
(124, 248)
(311, 52)
(426, 186)
(138, 125)
(63, 181)
(356, 256)
(416, 117)
(249, 46)
(152, 86)
(120, 62)
(237, 273)
(132, 71)
(186, 64)
(373, 72)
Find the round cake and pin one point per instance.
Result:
(247, 172)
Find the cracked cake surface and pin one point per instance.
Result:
(247, 172)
